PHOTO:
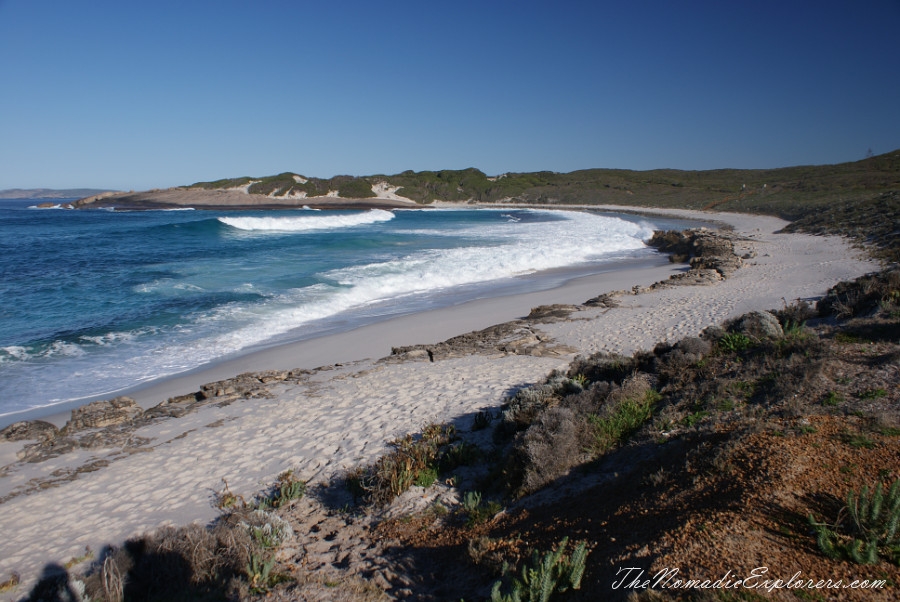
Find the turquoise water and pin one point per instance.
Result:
(93, 302)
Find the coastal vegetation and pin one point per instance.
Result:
(859, 199)
(288, 184)
(788, 192)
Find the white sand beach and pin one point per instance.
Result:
(338, 417)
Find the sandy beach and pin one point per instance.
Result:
(347, 402)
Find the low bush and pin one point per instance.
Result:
(605, 367)
(864, 295)
(477, 510)
(734, 342)
(620, 418)
(546, 575)
(550, 448)
(412, 461)
(185, 563)
(866, 528)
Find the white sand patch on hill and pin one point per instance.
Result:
(245, 188)
(384, 190)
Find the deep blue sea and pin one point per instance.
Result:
(94, 302)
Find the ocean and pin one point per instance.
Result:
(94, 302)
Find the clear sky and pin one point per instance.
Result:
(135, 95)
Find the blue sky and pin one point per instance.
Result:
(137, 95)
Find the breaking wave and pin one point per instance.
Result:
(305, 224)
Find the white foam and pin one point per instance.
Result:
(305, 224)
(63, 348)
(527, 248)
(13, 352)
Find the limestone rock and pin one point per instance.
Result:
(702, 248)
(49, 448)
(551, 313)
(692, 277)
(605, 300)
(29, 429)
(100, 414)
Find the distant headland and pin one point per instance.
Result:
(49, 193)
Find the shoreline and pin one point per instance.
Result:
(308, 350)
(374, 340)
(328, 421)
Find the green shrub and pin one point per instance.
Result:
(622, 420)
(872, 528)
(694, 418)
(426, 477)
(478, 511)
(459, 454)
(553, 573)
(413, 461)
(471, 501)
(259, 572)
(356, 188)
(734, 342)
(832, 399)
(287, 488)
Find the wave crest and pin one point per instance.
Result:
(305, 224)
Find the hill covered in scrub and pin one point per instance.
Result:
(789, 192)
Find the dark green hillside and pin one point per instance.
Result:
(859, 199)
(287, 183)
(789, 192)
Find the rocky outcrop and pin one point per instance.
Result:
(46, 449)
(100, 414)
(607, 300)
(710, 254)
(112, 423)
(516, 338)
(691, 278)
(552, 313)
(27, 430)
(714, 251)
